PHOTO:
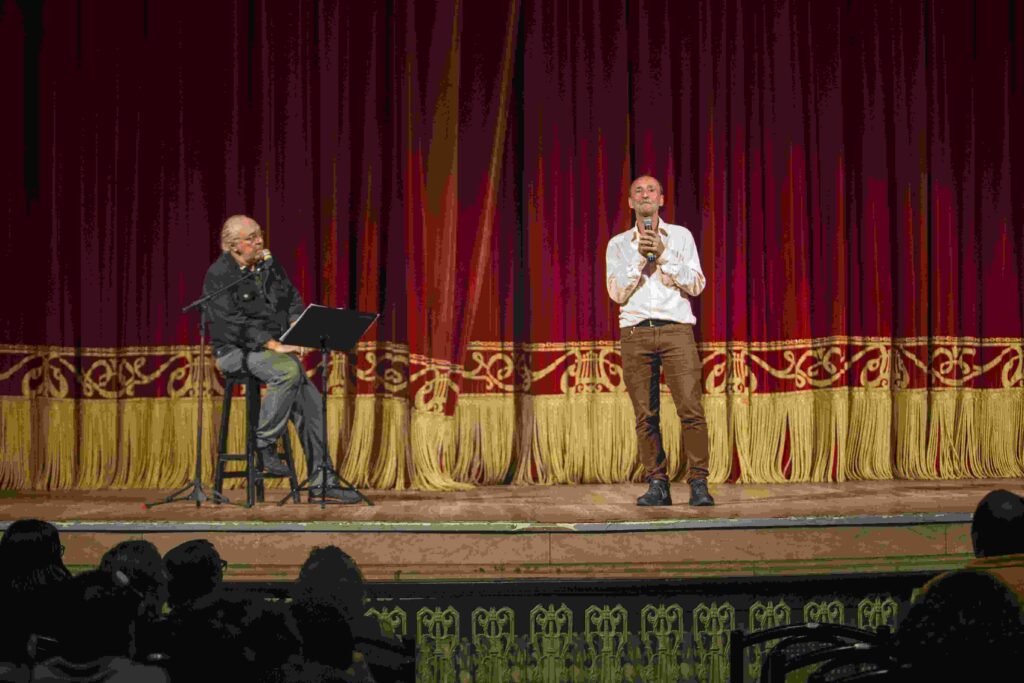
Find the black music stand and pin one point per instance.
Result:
(327, 329)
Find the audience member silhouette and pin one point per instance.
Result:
(234, 636)
(141, 563)
(970, 622)
(195, 569)
(330, 587)
(31, 573)
(96, 639)
(968, 626)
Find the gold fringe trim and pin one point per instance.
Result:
(820, 435)
(868, 435)
(433, 452)
(484, 428)
(16, 441)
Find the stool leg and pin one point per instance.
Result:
(258, 481)
(252, 404)
(222, 440)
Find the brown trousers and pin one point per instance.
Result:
(645, 352)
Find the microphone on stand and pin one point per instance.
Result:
(265, 260)
(647, 226)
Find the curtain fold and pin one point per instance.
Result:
(847, 170)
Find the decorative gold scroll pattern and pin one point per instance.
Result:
(546, 368)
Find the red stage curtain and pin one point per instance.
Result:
(846, 169)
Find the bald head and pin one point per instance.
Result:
(646, 197)
(234, 227)
(998, 525)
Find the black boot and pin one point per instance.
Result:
(699, 495)
(272, 463)
(334, 491)
(657, 494)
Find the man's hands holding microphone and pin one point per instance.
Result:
(650, 242)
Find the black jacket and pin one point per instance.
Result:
(253, 312)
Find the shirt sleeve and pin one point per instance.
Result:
(624, 267)
(680, 264)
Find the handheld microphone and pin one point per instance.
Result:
(647, 226)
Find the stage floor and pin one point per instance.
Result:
(548, 532)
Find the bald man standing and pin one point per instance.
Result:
(652, 271)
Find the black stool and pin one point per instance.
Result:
(254, 489)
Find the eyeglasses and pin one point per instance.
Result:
(251, 239)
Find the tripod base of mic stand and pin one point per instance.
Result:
(316, 493)
(197, 494)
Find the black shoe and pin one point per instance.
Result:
(334, 491)
(657, 494)
(699, 495)
(338, 495)
(272, 463)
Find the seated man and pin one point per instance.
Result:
(977, 609)
(997, 536)
(245, 323)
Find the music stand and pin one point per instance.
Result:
(327, 329)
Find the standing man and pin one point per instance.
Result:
(652, 271)
(245, 323)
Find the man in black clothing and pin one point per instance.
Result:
(245, 323)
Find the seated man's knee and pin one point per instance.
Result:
(286, 372)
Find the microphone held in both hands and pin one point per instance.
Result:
(647, 228)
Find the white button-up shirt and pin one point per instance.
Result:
(661, 290)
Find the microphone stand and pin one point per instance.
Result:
(195, 488)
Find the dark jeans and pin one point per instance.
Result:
(645, 352)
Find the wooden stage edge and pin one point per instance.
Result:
(520, 533)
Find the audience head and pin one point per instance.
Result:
(998, 525)
(331, 571)
(195, 569)
(31, 556)
(31, 575)
(141, 564)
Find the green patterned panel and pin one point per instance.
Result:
(393, 621)
(825, 612)
(876, 611)
(494, 642)
(551, 638)
(662, 641)
(437, 644)
(606, 636)
(712, 625)
(764, 615)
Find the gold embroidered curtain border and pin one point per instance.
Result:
(494, 368)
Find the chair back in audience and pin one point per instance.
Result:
(794, 643)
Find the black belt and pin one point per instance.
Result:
(654, 322)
